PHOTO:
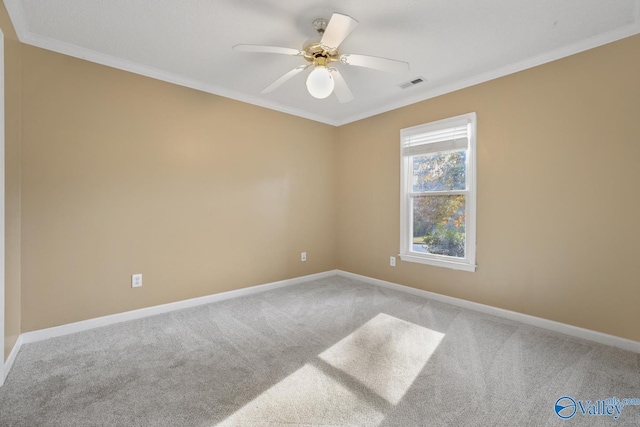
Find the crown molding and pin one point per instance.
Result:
(16, 13)
(154, 73)
(550, 56)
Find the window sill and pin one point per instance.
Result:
(439, 262)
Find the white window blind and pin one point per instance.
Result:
(448, 135)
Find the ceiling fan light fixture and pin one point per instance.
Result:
(322, 51)
(320, 82)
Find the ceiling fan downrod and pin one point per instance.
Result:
(320, 25)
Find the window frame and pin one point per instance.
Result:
(468, 263)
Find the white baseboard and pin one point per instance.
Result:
(42, 334)
(84, 325)
(12, 357)
(551, 325)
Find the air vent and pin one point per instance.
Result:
(413, 82)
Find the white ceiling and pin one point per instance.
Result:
(451, 43)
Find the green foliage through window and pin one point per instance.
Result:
(439, 220)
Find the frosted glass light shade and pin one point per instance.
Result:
(320, 82)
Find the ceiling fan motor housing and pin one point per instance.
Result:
(314, 51)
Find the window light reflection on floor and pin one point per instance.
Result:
(356, 381)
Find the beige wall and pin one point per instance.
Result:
(125, 174)
(558, 203)
(12, 182)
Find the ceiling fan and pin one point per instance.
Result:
(320, 53)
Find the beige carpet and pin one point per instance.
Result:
(333, 352)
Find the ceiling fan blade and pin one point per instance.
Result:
(267, 49)
(341, 89)
(273, 86)
(382, 64)
(338, 28)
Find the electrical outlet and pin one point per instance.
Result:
(136, 280)
(303, 256)
(392, 261)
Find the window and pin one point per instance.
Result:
(438, 194)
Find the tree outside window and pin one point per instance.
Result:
(438, 193)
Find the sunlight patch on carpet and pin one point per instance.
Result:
(357, 381)
(385, 354)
